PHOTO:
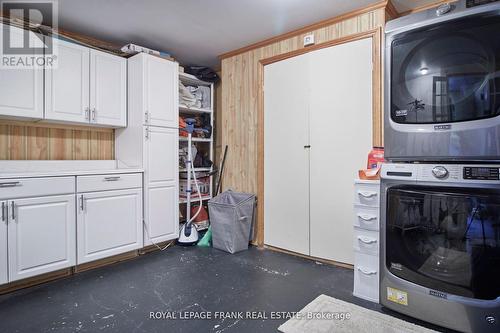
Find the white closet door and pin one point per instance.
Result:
(341, 136)
(286, 160)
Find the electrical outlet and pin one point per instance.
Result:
(309, 40)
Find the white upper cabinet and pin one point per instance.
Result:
(21, 89)
(108, 89)
(161, 88)
(3, 243)
(67, 85)
(41, 235)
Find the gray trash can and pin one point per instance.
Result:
(231, 218)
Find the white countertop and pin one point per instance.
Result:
(31, 169)
(55, 173)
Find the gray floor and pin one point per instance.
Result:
(119, 298)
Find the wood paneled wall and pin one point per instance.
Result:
(240, 94)
(31, 141)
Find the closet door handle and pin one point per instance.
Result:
(366, 272)
(367, 194)
(367, 218)
(13, 207)
(366, 240)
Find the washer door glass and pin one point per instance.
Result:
(446, 239)
(447, 73)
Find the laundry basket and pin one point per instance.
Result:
(231, 218)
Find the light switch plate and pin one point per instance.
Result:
(309, 40)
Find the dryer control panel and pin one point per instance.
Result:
(481, 173)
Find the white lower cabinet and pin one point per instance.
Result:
(41, 235)
(4, 277)
(109, 223)
(161, 214)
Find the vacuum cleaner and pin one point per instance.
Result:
(188, 235)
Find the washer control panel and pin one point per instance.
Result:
(481, 173)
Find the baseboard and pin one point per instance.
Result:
(321, 260)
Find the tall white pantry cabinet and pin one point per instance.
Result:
(151, 141)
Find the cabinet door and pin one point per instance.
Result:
(67, 85)
(41, 235)
(21, 90)
(286, 156)
(161, 88)
(161, 213)
(161, 155)
(109, 223)
(4, 278)
(341, 137)
(108, 89)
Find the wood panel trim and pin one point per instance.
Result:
(35, 280)
(55, 126)
(391, 11)
(342, 40)
(321, 260)
(377, 93)
(306, 29)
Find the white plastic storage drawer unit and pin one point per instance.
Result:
(109, 215)
(37, 229)
(366, 277)
(366, 241)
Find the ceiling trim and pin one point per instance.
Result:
(391, 11)
(306, 29)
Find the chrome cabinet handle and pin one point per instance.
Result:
(13, 207)
(112, 179)
(367, 218)
(10, 184)
(93, 114)
(81, 202)
(146, 117)
(366, 272)
(147, 133)
(87, 113)
(367, 240)
(3, 211)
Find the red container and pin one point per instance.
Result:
(375, 158)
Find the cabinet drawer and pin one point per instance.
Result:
(366, 277)
(367, 194)
(366, 217)
(36, 187)
(366, 241)
(108, 182)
